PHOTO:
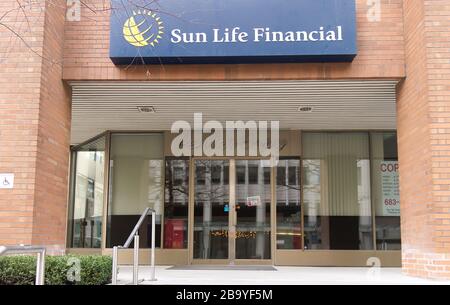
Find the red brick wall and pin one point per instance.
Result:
(19, 101)
(34, 124)
(424, 139)
(50, 216)
(381, 54)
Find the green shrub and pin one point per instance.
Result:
(21, 270)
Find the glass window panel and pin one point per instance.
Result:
(136, 178)
(292, 177)
(176, 203)
(85, 224)
(200, 173)
(281, 175)
(241, 174)
(289, 229)
(216, 174)
(226, 174)
(267, 175)
(336, 191)
(385, 186)
(253, 174)
(177, 174)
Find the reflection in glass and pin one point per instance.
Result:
(253, 199)
(176, 203)
(289, 230)
(136, 169)
(211, 209)
(86, 221)
(336, 191)
(385, 185)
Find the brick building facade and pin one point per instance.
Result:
(409, 43)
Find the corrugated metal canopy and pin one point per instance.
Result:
(337, 105)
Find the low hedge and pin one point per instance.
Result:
(59, 270)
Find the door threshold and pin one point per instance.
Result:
(225, 267)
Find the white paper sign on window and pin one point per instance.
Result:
(390, 188)
(253, 201)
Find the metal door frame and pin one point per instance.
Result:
(232, 217)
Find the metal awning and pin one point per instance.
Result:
(336, 105)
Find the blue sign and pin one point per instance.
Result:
(232, 31)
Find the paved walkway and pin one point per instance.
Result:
(283, 276)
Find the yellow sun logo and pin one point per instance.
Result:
(143, 29)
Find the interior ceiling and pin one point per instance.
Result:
(337, 105)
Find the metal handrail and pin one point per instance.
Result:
(136, 227)
(135, 236)
(40, 264)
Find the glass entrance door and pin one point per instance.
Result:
(232, 200)
(211, 209)
(253, 198)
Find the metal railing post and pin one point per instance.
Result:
(40, 268)
(152, 255)
(135, 234)
(114, 266)
(136, 260)
(40, 261)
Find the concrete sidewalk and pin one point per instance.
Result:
(282, 276)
